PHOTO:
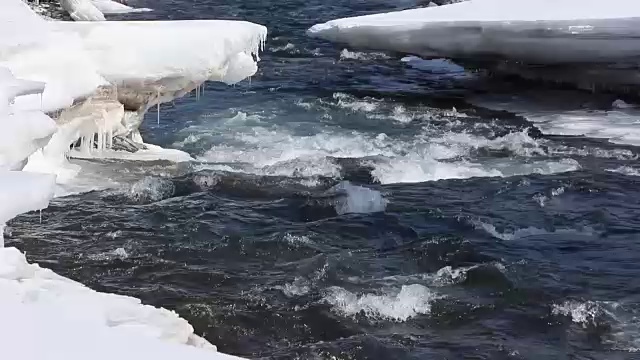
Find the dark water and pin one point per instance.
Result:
(341, 208)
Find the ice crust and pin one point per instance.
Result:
(542, 31)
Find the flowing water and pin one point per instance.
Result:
(352, 205)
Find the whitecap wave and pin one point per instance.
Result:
(621, 320)
(345, 54)
(358, 199)
(395, 305)
(427, 156)
(625, 170)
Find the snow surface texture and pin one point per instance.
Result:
(541, 31)
(93, 70)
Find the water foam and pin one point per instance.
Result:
(622, 320)
(352, 103)
(268, 151)
(345, 54)
(119, 253)
(151, 189)
(410, 301)
(625, 170)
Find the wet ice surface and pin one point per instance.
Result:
(367, 206)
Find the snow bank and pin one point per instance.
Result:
(541, 31)
(69, 321)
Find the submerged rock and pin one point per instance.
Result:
(123, 144)
(50, 9)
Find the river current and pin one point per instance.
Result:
(364, 205)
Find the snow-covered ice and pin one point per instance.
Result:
(78, 69)
(542, 31)
(64, 318)
(92, 69)
(113, 7)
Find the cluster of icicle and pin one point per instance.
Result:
(119, 80)
(23, 134)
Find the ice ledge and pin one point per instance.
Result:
(104, 81)
(542, 31)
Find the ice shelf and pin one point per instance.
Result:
(541, 31)
(101, 80)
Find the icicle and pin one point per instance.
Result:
(203, 88)
(100, 139)
(40, 216)
(40, 101)
(2, 235)
(158, 107)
